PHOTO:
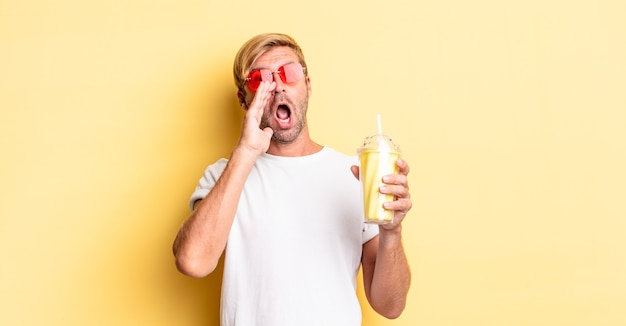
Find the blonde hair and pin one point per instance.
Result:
(257, 46)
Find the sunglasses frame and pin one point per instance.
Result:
(281, 72)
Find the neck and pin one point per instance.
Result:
(302, 146)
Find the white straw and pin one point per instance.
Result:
(380, 128)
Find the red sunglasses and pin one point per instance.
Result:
(289, 73)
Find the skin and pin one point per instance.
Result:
(202, 238)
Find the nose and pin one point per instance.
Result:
(280, 86)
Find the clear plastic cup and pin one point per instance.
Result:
(377, 156)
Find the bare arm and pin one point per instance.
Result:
(202, 238)
(386, 273)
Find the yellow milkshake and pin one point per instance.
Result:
(378, 157)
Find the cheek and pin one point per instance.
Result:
(248, 99)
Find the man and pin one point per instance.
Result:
(287, 211)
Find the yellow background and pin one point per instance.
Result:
(511, 114)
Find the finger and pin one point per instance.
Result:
(268, 132)
(396, 179)
(403, 166)
(263, 94)
(398, 191)
(402, 205)
(259, 102)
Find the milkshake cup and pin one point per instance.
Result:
(377, 157)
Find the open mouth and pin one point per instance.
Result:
(283, 112)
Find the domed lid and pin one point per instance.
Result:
(379, 142)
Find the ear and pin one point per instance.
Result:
(308, 84)
(242, 100)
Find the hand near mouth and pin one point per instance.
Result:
(253, 138)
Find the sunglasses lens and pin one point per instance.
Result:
(291, 73)
(254, 79)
